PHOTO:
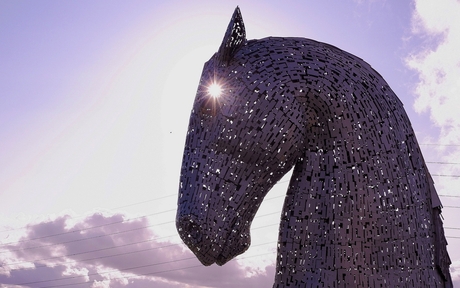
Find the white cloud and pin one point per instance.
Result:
(110, 250)
(455, 273)
(437, 63)
(438, 66)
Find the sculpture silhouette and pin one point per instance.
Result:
(361, 209)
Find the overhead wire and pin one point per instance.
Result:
(436, 144)
(113, 233)
(175, 194)
(140, 217)
(97, 250)
(133, 268)
(129, 244)
(104, 225)
(159, 272)
(87, 228)
(445, 195)
(120, 232)
(137, 267)
(113, 247)
(115, 208)
(442, 163)
(124, 270)
(138, 228)
(128, 205)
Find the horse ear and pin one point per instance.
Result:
(234, 38)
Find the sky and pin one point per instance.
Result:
(95, 98)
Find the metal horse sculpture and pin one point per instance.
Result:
(361, 209)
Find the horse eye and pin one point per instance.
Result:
(210, 98)
(214, 90)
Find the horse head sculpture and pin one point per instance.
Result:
(361, 209)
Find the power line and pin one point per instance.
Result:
(138, 267)
(434, 144)
(152, 248)
(98, 250)
(130, 230)
(88, 238)
(116, 246)
(87, 228)
(107, 224)
(152, 214)
(443, 163)
(155, 264)
(175, 194)
(106, 272)
(119, 207)
(128, 277)
(114, 233)
(129, 205)
(140, 217)
(134, 243)
(159, 272)
(137, 251)
(444, 195)
(146, 201)
(123, 270)
(442, 175)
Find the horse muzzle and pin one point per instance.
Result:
(212, 244)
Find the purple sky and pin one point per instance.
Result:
(94, 104)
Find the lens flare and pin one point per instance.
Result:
(215, 90)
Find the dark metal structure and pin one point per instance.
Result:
(361, 209)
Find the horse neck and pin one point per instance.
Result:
(360, 190)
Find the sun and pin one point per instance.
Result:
(215, 90)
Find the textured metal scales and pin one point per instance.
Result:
(361, 209)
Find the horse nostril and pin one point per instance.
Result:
(189, 231)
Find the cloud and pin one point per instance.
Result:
(438, 63)
(111, 250)
(455, 273)
(438, 67)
